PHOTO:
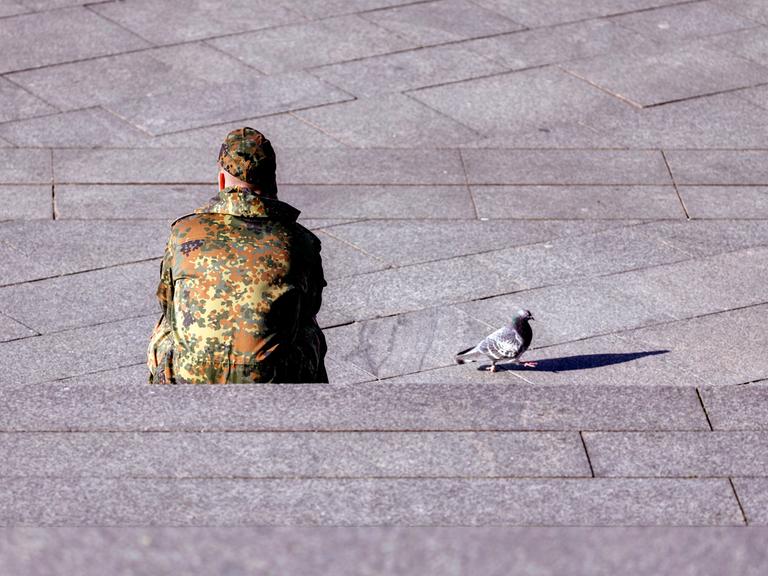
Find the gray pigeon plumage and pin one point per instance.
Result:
(506, 343)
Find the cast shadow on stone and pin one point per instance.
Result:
(578, 362)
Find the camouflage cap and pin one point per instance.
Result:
(248, 155)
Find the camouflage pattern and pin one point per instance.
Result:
(248, 155)
(240, 286)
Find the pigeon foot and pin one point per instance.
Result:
(492, 368)
(530, 364)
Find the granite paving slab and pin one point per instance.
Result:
(407, 70)
(149, 19)
(147, 201)
(219, 502)
(740, 202)
(25, 202)
(387, 550)
(620, 202)
(753, 496)
(387, 121)
(16, 103)
(513, 102)
(133, 75)
(294, 455)
(332, 40)
(549, 135)
(681, 21)
(707, 238)
(195, 108)
(134, 166)
(573, 167)
(750, 43)
(325, 8)
(441, 21)
(92, 127)
(551, 45)
(73, 352)
(677, 454)
(340, 372)
(12, 8)
(754, 9)
(25, 166)
(340, 201)
(91, 403)
(71, 34)
(669, 73)
(406, 343)
(134, 374)
(342, 259)
(757, 96)
(737, 407)
(10, 329)
(373, 167)
(85, 299)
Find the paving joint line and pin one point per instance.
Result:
(53, 190)
(586, 453)
(704, 409)
(466, 181)
(77, 272)
(738, 501)
(117, 24)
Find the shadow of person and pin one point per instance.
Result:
(578, 362)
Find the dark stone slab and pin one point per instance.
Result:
(331, 502)
(25, 166)
(441, 21)
(176, 111)
(331, 39)
(668, 74)
(295, 455)
(16, 103)
(71, 34)
(89, 404)
(150, 19)
(565, 167)
(25, 202)
(407, 70)
(388, 121)
(737, 407)
(577, 202)
(390, 550)
(677, 454)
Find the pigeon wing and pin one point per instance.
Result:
(506, 343)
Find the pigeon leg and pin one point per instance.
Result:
(492, 367)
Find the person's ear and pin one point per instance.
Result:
(221, 180)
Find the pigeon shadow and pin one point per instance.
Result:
(578, 362)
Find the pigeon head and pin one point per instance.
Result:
(523, 315)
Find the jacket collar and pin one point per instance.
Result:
(247, 204)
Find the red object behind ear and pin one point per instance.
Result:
(221, 181)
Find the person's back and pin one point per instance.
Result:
(240, 286)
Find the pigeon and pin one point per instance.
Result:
(506, 343)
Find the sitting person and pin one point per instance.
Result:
(240, 283)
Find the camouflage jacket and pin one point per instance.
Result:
(240, 285)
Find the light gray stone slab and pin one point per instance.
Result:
(340, 372)
(757, 96)
(441, 21)
(133, 75)
(406, 343)
(388, 121)
(157, 202)
(340, 201)
(12, 8)
(297, 454)
(725, 348)
(325, 8)
(93, 127)
(45, 248)
(750, 43)
(134, 166)
(10, 329)
(707, 238)
(725, 201)
(551, 45)
(411, 242)
(375, 167)
(511, 103)
(677, 454)
(73, 352)
(135, 374)
(754, 9)
(17, 103)
(84, 299)
(387, 551)
(737, 407)
(565, 167)
(25, 202)
(331, 502)
(407, 70)
(150, 19)
(753, 496)
(577, 202)
(669, 74)
(342, 259)
(176, 111)
(689, 20)
(25, 166)
(548, 12)
(71, 34)
(90, 403)
(551, 135)
(333, 39)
